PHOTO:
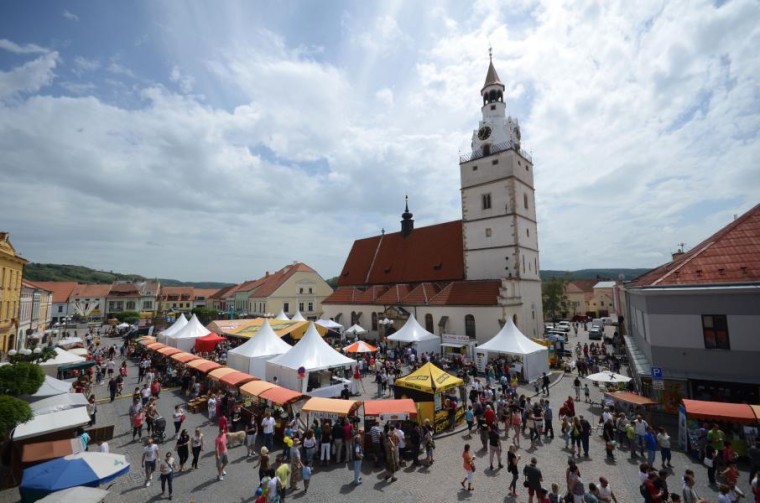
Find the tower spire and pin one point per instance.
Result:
(407, 223)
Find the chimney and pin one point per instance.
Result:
(678, 253)
(267, 274)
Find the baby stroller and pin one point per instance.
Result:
(159, 430)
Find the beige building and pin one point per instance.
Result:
(11, 270)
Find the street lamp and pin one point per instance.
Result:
(37, 350)
(12, 352)
(26, 351)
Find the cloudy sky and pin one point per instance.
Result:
(216, 141)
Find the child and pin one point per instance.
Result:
(554, 496)
(306, 476)
(260, 496)
(587, 393)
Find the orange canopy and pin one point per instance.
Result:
(255, 388)
(633, 398)
(220, 372)
(237, 378)
(51, 449)
(203, 365)
(720, 411)
(400, 406)
(183, 357)
(281, 396)
(168, 351)
(333, 406)
(155, 346)
(360, 347)
(146, 339)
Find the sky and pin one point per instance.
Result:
(207, 141)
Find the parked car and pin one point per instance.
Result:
(596, 332)
(564, 326)
(558, 334)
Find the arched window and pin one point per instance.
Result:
(429, 323)
(469, 326)
(338, 317)
(353, 318)
(486, 149)
(514, 318)
(374, 321)
(492, 96)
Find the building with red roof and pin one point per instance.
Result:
(696, 317)
(462, 277)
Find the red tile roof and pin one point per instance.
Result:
(469, 293)
(276, 280)
(581, 285)
(62, 290)
(342, 295)
(422, 294)
(184, 292)
(124, 289)
(394, 294)
(731, 255)
(432, 253)
(222, 293)
(368, 296)
(91, 291)
(206, 293)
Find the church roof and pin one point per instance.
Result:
(422, 294)
(454, 293)
(731, 255)
(492, 77)
(432, 253)
(469, 293)
(394, 295)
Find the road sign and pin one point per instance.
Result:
(658, 384)
(657, 373)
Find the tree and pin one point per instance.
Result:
(205, 315)
(127, 316)
(554, 298)
(23, 378)
(12, 412)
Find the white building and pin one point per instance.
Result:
(697, 319)
(465, 276)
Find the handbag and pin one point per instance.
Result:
(708, 462)
(525, 483)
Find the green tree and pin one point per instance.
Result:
(127, 316)
(22, 378)
(205, 315)
(554, 298)
(12, 412)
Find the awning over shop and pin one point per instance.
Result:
(168, 351)
(429, 379)
(77, 366)
(401, 407)
(52, 422)
(281, 396)
(255, 388)
(203, 365)
(42, 451)
(237, 378)
(155, 346)
(632, 398)
(183, 357)
(218, 373)
(249, 328)
(146, 339)
(721, 411)
(331, 406)
(208, 342)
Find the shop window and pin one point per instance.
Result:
(715, 331)
(469, 326)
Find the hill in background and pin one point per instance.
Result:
(600, 274)
(81, 274)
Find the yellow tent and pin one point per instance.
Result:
(429, 379)
(249, 327)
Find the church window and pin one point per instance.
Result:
(486, 201)
(474, 168)
(354, 318)
(493, 107)
(495, 162)
(374, 321)
(429, 323)
(523, 261)
(525, 200)
(488, 232)
(300, 290)
(527, 232)
(469, 325)
(486, 149)
(286, 307)
(310, 290)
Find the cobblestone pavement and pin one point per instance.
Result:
(438, 483)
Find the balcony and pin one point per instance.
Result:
(495, 149)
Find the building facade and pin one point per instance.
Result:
(696, 319)
(35, 314)
(11, 272)
(465, 276)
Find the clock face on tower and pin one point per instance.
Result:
(484, 133)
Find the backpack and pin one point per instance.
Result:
(644, 491)
(579, 489)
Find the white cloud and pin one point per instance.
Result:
(29, 77)
(70, 16)
(13, 47)
(385, 97)
(185, 82)
(82, 65)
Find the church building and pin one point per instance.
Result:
(463, 277)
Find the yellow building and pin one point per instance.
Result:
(11, 270)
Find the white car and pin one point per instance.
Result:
(564, 326)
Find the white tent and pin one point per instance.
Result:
(330, 325)
(58, 402)
(281, 316)
(70, 342)
(414, 333)
(122, 325)
(355, 329)
(79, 494)
(312, 353)
(178, 325)
(185, 338)
(298, 317)
(63, 357)
(52, 422)
(50, 387)
(252, 356)
(511, 341)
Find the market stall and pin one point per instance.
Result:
(208, 343)
(739, 422)
(253, 355)
(183, 357)
(203, 365)
(185, 338)
(329, 408)
(308, 367)
(354, 330)
(237, 378)
(389, 410)
(178, 325)
(289, 330)
(168, 351)
(62, 359)
(415, 334)
(145, 340)
(435, 394)
(528, 357)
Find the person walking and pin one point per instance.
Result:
(663, 440)
(149, 457)
(469, 467)
(92, 410)
(650, 441)
(263, 463)
(512, 460)
(183, 449)
(533, 478)
(391, 458)
(494, 444)
(337, 434)
(220, 452)
(545, 384)
(309, 446)
(429, 443)
(585, 435)
(358, 452)
(282, 474)
(267, 428)
(325, 443)
(577, 387)
(166, 470)
(197, 446)
(251, 431)
(137, 424)
(178, 416)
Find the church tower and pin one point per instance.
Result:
(498, 208)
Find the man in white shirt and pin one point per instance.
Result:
(605, 493)
(103, 447)
(267, 428)
(640, 428)
(401, 444)
(149, 457)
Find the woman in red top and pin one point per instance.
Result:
(469, 467)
